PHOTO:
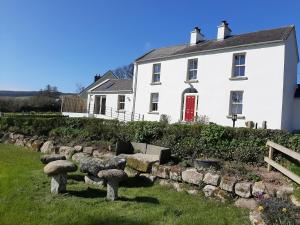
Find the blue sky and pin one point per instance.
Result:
(64, 42)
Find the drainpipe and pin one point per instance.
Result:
(134, 89)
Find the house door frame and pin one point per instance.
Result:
(100, 104)
(195, 106)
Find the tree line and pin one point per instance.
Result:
(46, 100)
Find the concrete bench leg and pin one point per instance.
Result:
(59, 183)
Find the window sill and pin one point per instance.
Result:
(238, 78)
(120, 111)
(156, 113)
(238, 117)
(155, 83)
(191, 81)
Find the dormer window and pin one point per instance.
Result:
(239, 65)
(156, 73)
(192, 69)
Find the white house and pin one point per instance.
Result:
(252, 75)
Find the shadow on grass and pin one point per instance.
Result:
(76, 177)
(88, 193)
(115, 221)
(133, 182)
(141, 199)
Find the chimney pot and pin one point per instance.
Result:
(223, 30)
(196, 36)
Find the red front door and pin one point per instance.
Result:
(190, 101)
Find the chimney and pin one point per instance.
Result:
(196, 36)
(223, 31)
(96, 77)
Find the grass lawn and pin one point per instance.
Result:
(25, 199)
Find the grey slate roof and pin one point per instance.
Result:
(114, 85)
(263, 36)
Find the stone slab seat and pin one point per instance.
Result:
(113, 177)
(141, 162)
(163, 153)
(58, 171)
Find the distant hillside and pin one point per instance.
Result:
(23, 93)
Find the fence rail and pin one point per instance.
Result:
(271, 163)
(121, 115)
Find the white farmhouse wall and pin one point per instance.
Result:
(290, 83)
(262, 91)
(111, 102)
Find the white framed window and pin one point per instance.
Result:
(239, 61)
(236, 103)
(121, 102)
(154, 98)
(192, 69)
(156, 73)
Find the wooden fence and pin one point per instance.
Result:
(271, 163)
(73, 104)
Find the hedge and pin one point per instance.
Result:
(237, 144)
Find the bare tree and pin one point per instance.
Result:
(124, 72)
(79, 88)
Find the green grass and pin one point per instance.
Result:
(25, 199)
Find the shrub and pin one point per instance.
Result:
(185, 140)
(278, 211)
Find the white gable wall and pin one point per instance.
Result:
(262, 91)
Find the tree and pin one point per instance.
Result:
(79, 88)
(124, 72)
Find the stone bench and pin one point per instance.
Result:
(163, 154)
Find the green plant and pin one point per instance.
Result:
(251, 176)
(279, 212)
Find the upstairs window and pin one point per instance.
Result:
(156, 73)
(154, 102)
(236, 102)
(239, 65)
(121, 102)
(192, 69)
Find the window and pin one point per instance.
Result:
(121, 102)
(236, 103)
(239, 65)
(192, 69)
(154, 102)
(156, 73)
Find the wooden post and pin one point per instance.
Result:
(270, 157)
(111, 112)
(124, 116)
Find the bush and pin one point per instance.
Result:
(280, 212)
(186, 141)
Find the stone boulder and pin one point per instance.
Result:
(178, 186)
(80, 157)
(211, 179)
(58, 167)
(161, 171)
(131, 172)
(45, 159)
(192, 176)
(67, 151)
(175, 173)
(20, 143)
(141, 162)
(284, 192)
(94, 165)
(246, 203)
(36, 145)
(209, 190)
(227, 183)
(255, 218)
(243, 189)
(78, 148)
(48, 147)
(88, 150)
(258, 189)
